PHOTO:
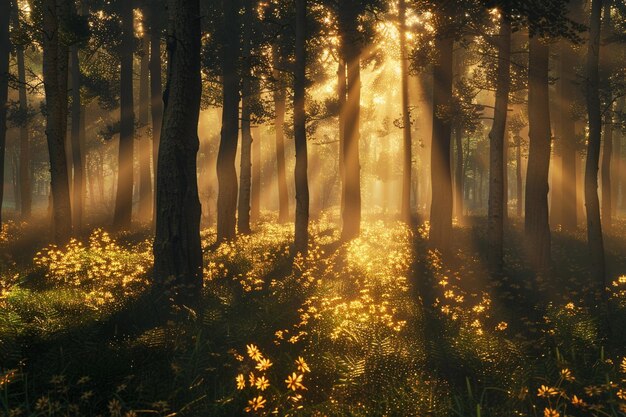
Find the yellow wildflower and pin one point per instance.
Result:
(546, 392)
(548, 412)
(256, 404)
(578, 402)
(621, 394)
(294, 382)
(254, 352)
(263, 364)
(262, 383)
(302, 365)
(241, 381)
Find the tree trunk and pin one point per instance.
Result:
(592, 203)
(341, 104)
(245, 168)
(24, 156)
(619, 182)
(518, 176)
(226, 173)
(124, 195)
(177, 251)
(156, 95)
(459, 174)
(77, 160)
(55, 73)
(607, 156)
(441, 206)
(145, 178)
(299, 121)
(351, 49)
(255, 197)
(5, 50)
(495, 228)
(567, 90)
(536, 224)
(405, 211)
(279, 127)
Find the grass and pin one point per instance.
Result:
(378, 326)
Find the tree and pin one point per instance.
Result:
(5, 50)
(406, 118)
(497, 163)
(124, 195)
(351, 54)
(245, 171)
(595, 240)
(279, 127)
(156, 96)
(301, 178)
(24, 174)
(55, 77)
(177, 250)
(226, 173)
(144, 212)
(441, 175)
(607, 142)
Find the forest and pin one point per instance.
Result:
(313, 208)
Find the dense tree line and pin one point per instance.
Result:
(511, 63)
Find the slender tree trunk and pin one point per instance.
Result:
(567, 88)
(156, 95)
(55, 73)
(177, 250)
(145, 148)
(245, 168)
(459, 174)
(607, 147)
(77, 160)
(618, 162)
(124, 194)
(279, 127)
(518, 174)
(536, 224)
(299, 121)
(592, 203)
(255, 197)
(495, 229)
(607, 157)
(405, 211)
(342, 92)
(226, 173)
(5, 50)
(24, 155)
(441, 206)
(352, 168)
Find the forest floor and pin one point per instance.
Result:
(380, 326)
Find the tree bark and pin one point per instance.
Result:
(567, 90)
(607, 157)
(245, 168)
(341, 104)
(351, 51)
(495, 228)
(518, 176)
(226, 173)
(618, 162)
(405, 211)
(279, 127)
(124, 194)
(299, 121)
(5, 50)
(536, 224)
(255, 193)
(441, 206)
(177, 250)
(156, 95)
(459, 174)
(145, 149)
(77, 160)
(55, 73)
(24, 157)
(592, 204)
